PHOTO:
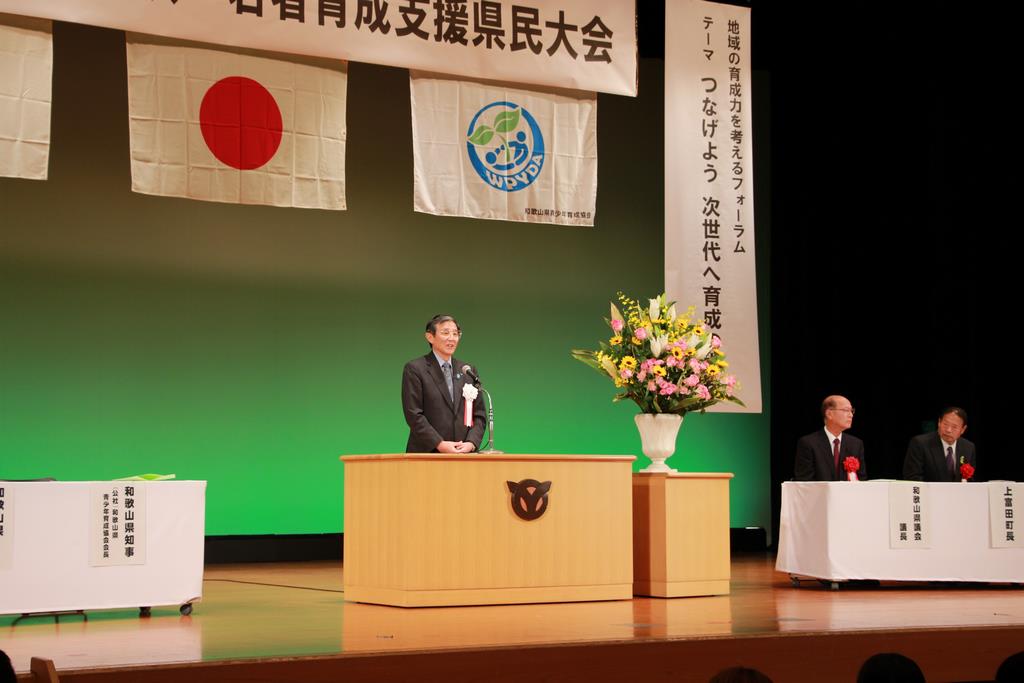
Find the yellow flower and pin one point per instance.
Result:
(658, 370)
(698, 330)
(627, 363)
(615, 341)
(722, 363)
(636, 342)
(691, 351)
(713, 370)
(619, 382)
(677, 352)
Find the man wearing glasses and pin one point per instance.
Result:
(432, 395)
(938, 455)
(821, 456)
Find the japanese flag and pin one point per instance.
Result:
(227, 127)
(26, 68)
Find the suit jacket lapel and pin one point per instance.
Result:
(435, 371)
(827, 451)
(938, 451)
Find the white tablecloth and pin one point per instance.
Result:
(50, 569)
(840, 531)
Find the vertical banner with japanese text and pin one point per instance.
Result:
(709, 193)
(6, 527)
(486, 150)
(117, 523)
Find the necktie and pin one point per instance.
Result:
(447, 370)
(835, 454)
(950, 463)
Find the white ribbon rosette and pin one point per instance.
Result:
(469, 394)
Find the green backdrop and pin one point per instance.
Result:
(251, 346)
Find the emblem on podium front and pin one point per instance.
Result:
(529, 498)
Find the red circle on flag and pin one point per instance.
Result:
(241, 122)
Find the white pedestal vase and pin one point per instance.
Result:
(658, 439)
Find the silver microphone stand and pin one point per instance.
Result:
(490, 450)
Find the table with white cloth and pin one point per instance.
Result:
(48, 563)
(840, 531)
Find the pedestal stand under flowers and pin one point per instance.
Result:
(667, 364)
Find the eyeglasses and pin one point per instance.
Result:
(448, 335)
(851, 411)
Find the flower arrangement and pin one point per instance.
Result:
(663, 362)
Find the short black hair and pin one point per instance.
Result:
(959, 412)
(441, 318)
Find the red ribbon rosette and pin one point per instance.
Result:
(852, 466)
(966, 471)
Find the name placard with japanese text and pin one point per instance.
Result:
(117, 524)
(909, 519)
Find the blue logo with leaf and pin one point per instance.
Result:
(505, 146)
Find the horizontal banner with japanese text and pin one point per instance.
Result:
(577, 44)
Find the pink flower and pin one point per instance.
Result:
(617, 326)
(651, 386)
(691, 381)
(625, 373)
(695, 365)
(683, 391)
(642, 375)
(668, 389)
(671, 361)
(641, 333)
(729, 380)
(716, 342)
(703, 392)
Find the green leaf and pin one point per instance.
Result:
(482, 135)
(506, 121)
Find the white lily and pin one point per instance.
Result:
(672, 313)
(655, 308)
(705, 346)
(609, 366)
(658, 345)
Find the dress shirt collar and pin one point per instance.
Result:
(832, 437)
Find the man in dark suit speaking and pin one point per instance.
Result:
(938, 455)
(820, 456)
(432, 395)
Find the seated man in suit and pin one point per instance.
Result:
(938, 455)
(432, 395)
(820, 456)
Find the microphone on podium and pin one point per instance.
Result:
(489, 450)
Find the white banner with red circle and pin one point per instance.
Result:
(579, 44)
(220, 126)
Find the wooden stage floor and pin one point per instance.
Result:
(283, 622)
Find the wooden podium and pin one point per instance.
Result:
(432, 529)
(681, 534)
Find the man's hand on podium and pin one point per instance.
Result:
(455, 447)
